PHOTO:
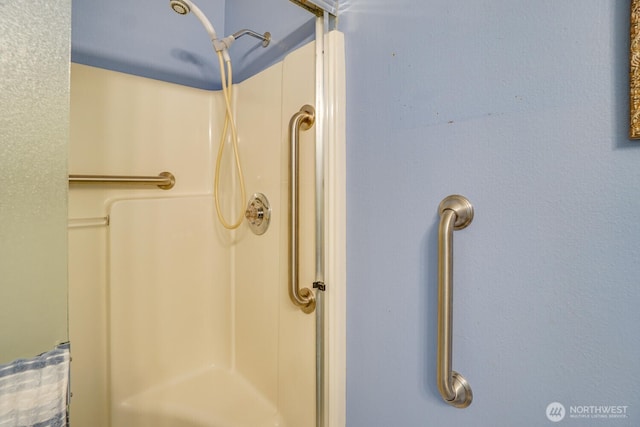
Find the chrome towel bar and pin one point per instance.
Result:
(164, 180)
(303, 298)
(455, 214)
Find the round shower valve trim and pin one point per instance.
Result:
(258, 213)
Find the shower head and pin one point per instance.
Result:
(183, 7)
(180, 6)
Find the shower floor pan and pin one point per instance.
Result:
(211, 398)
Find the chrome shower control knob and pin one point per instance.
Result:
(258, 213)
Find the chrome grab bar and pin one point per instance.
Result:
(456, 212)
(303, 298)
(164, 180)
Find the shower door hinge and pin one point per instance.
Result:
(319, 285)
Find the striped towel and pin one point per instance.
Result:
(34, 392)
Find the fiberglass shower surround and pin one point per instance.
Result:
(198, 321)
(221, 47)
(188, 324)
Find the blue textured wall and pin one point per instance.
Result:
(290, 27)
(522, 107)
(146, 38)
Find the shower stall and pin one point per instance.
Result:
(175, 320)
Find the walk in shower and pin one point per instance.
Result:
(175, 320)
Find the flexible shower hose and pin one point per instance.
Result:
(228, 122)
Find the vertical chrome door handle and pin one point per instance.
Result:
(456, 213)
